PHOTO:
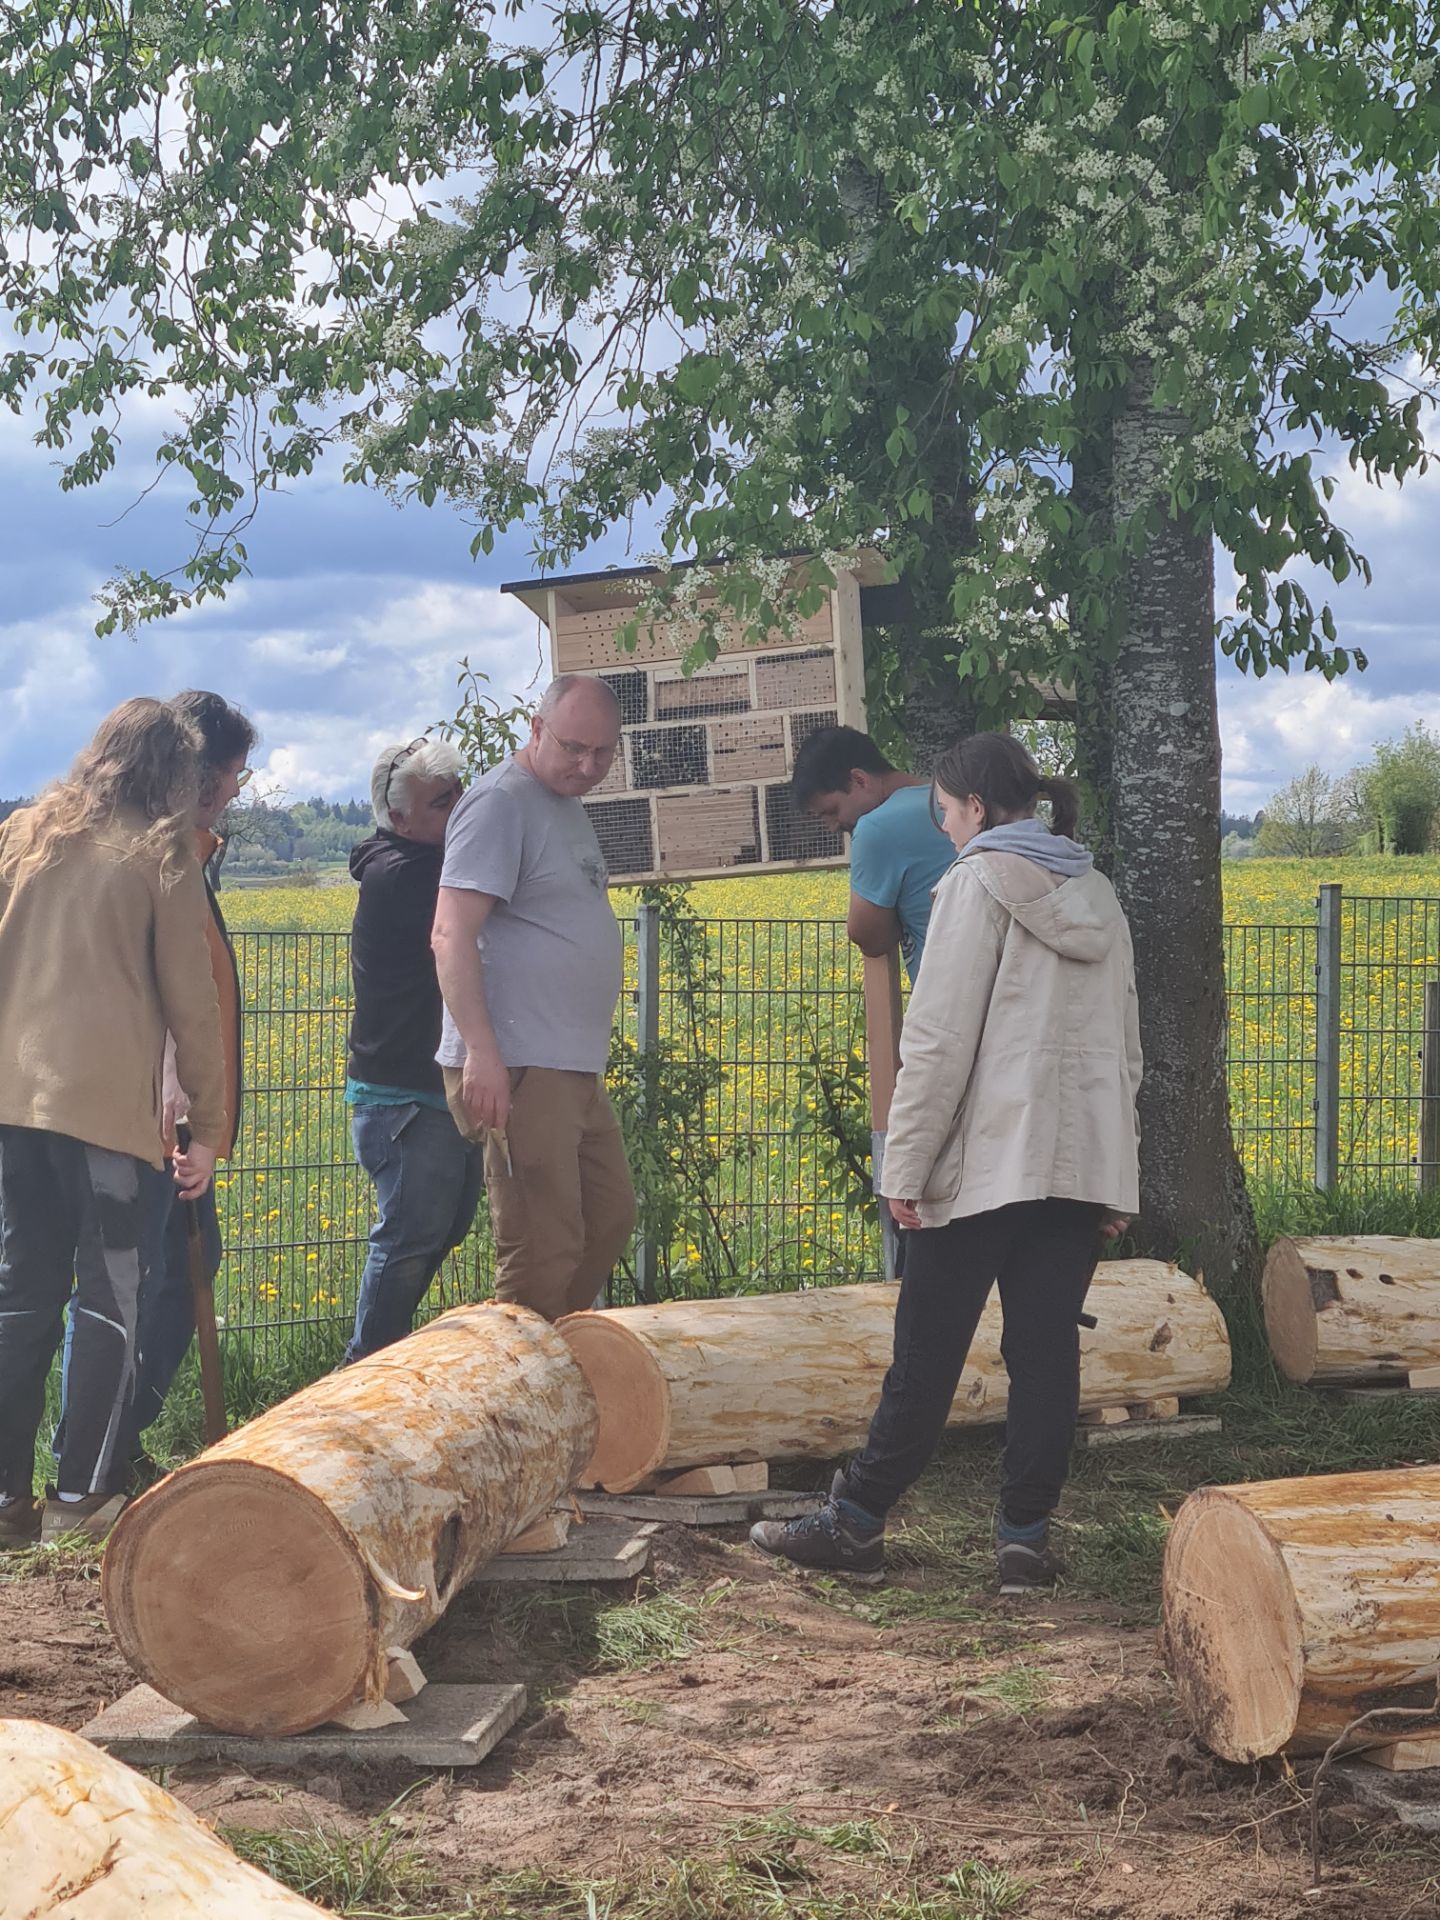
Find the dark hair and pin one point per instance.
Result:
(825, 760)
(225, 733)
(1006, 781)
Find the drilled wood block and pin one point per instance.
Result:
(708, 692)
(715, 829)
(1405, 1756)
(796, 680)
(749, 749)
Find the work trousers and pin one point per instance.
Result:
(562, 1207)
(1043, 1254)
(70, 1215)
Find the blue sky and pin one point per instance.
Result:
(351, 628)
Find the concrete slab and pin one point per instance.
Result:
(1187, 1427)
(701, 1510)
(600, 1549)
(1413, 1798)
(444, 1726)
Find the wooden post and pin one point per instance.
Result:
(1430, 1090)
(882, 1046)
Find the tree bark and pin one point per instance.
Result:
(260, 1586)
(1161, 728)
(1365, 1307)
(1294, 1606)
(83, 1837)
(796, 1376)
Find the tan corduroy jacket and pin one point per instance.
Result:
(1020, 1053)
(97, 960)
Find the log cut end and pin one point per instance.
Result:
(1232, 1629)
(1289, 1291)
(238, 1596)
(632, 1397)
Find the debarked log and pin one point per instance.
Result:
(83, 1836)
(1356, 1308)
(1292, 1607)
(797, 1375)
(260, 1585)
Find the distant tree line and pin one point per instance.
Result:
(1389, 805)
(265, 838)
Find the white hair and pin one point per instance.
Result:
(400, 766)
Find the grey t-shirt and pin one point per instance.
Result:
(551, 948)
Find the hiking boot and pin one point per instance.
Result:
(93, 1516)
(825, 1542)
(19, 1522)
(1023, 1569)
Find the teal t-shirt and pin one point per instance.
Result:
(897, 854)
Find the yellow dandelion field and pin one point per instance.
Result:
(757, 1176)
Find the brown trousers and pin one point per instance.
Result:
(563, 1209)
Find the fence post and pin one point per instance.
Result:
(1430, 1090)
(647, 1045)
(1327, 1038)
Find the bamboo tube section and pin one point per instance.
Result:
(83, 1836)
(260, 1586)
(1364, 1307)
(1294, 1606)
(796, 1376)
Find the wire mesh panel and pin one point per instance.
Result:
(295, 1207)
(1270, 997)
(1389, 949)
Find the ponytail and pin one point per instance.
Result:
(1006, 781)
(1064, 798)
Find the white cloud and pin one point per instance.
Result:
(1274, 728)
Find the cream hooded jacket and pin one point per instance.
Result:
(1020, 1053)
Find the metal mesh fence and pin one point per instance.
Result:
(748, 1114)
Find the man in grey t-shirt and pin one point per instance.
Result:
(528, 955)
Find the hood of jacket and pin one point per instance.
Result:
(1079, 918)
(391, 849)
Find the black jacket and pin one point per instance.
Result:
(396, 1027)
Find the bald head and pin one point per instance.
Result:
(574, 735)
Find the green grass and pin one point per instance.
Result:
(376, 1871)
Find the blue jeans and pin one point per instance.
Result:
(427, 1184)
(166, 1321)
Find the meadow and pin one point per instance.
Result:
(750, 1134)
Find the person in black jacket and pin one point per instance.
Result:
(427, 1177)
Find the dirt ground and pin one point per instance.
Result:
(801, 1740)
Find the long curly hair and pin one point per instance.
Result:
(144, 759)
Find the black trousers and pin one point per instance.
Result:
(1043, 1254)
(69, 1216)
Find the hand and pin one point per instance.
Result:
(194, 1170)
(905, 1213)
(485, 1090)
(174, 1106)
(1112, 1225)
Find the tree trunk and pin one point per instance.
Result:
(83, 1837)
(796, 1376)
(1294, 1606)
(1164, 834)
(1362, 1308)
(260, 1586)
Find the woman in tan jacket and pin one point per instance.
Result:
(1012, 1149)
(102, 949)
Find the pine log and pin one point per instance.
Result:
(260, 1586)
(83, 1836)
(1293, 1606)
(796, 1376)
(1362, 1307)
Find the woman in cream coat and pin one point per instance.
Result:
(1012, 1149)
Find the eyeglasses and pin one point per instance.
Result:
(244, 776)
(401, 757)
(581, 749)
